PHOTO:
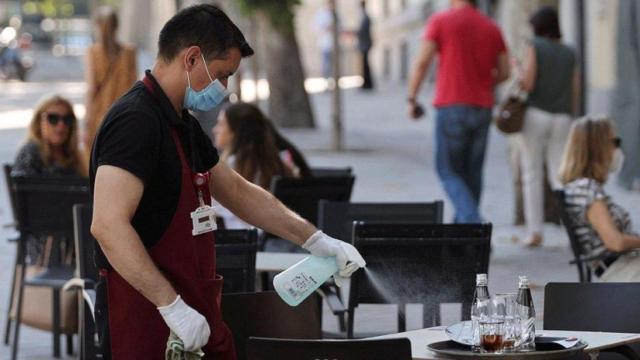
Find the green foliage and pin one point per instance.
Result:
(280, 13)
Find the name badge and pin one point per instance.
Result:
(203, 220)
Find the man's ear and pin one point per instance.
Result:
(191, 55)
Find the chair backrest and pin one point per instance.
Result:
(286, 349)
(419, 263)
(303, 195)
(44, 204)
(336, 218)
(326, 171)
(583, 269)
(608, 307)
(236, 259)
(84, 242)
(9, 181)
(264, 314)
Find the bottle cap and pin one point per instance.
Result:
(481, 280)
(523, 282)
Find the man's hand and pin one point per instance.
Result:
(348, 258)
(416, 111)
(188, 324)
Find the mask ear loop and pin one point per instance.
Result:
(205, 67)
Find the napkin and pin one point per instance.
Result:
(175, 350)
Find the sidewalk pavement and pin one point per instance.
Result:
(392, 158)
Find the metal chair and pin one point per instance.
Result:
(608, 307)
(579, 258)
(336, 219)
(44, 209)
(265, 314)
(236, 259)
(425, 264)
(286, 349)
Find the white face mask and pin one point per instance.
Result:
(617, 161)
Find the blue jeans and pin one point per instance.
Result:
(461, 141)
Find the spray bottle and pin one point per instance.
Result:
(300, 280)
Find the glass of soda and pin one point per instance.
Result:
(492, 334)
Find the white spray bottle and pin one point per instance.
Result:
(300, 280)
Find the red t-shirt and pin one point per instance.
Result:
(468, 44)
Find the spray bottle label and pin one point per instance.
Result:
(299, 285)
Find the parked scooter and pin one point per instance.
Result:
(14, 64)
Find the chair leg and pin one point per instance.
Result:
(55, 311)
(350, 323)
(7, 326)
(402, 321)
(69, 344)
(18, 320)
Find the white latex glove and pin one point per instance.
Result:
(188, 324)
(348, 258)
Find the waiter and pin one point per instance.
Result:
(153, 171)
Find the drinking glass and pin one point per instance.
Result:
(492, 334)
(505, 305)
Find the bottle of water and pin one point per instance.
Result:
(526, 315)
(479, 308)
(300, 280)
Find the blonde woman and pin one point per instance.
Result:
(51, 147)
(603, 228)
(110, 72)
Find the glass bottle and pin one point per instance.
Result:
(479, 308)
(526, 316)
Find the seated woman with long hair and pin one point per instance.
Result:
(51, 147)
(249, 144)
(603, 227)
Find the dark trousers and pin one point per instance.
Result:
(366, 70)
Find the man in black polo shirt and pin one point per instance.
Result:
(153, 171)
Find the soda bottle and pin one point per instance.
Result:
(526, 316)
(479, 308)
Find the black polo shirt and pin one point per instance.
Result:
(136, 136)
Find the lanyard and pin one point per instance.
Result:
(200, 180)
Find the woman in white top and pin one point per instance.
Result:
(602, 227)
(247, 142)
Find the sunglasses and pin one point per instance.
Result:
(54, 118)
(617, 142)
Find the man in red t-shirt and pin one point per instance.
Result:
(473, 60)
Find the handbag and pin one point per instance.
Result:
(510, 115)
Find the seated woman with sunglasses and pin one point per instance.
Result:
(602, 227)
(51, 146)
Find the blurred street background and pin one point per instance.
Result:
(391, 155)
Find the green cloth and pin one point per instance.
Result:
(553, 88)
(175, 350)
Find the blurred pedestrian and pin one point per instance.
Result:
(365, 43)
(472, 61)
(110, 71)
(51, 147)
(324, 26)
(603, 228)
(551, 79)
(248, 145)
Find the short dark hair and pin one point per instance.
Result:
(545, 23)
(203, 25)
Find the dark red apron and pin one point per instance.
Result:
(189, 262)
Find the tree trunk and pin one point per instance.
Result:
(289, 104)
